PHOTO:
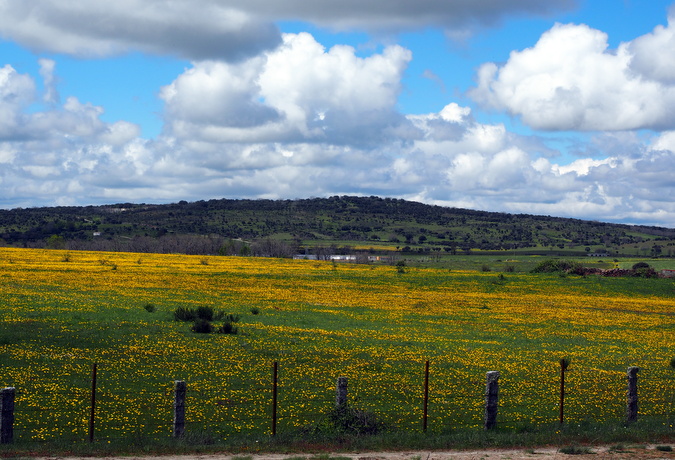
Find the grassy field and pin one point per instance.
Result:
(62, 311)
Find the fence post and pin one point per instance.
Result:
(491, 399)
(632, 394)
(7, 415)
(180, 389)
(275, 380)
(92, 409)
(425, 413)
(341, 393)
(564, 364)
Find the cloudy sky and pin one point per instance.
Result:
(564, 107)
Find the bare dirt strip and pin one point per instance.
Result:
(543, 453)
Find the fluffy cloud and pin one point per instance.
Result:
(99, 28)
(15, 92)
(297, 92)
(570, 80)
(64, 151)
(227, 29)
(486, 167)
(654, 53)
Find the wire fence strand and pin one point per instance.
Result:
(136, 409)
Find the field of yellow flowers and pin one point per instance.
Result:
(62, 311)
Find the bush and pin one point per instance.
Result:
(349, 420)
(184, 314)
(640, 265)
(557, 265)
(230, 318)
(202, 326)
(643, 270)
(227, 328)
(255, 310)
(400, 266)
(575, 450)
(205, 313)
(150, 308)
(203, 316)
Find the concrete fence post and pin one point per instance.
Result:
(179, 408)
(7, 415)
(341, 393)
(491, 400)
(632, 394)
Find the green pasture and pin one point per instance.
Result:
(320, 321)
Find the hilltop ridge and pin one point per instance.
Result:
(338, 221)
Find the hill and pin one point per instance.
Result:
(336, 224)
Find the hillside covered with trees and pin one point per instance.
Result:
(337, 224)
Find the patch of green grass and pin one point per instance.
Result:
(575, 450)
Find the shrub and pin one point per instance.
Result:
(227, 328)
(349, 420)
(400, 266)
(205, 313)
(557, 265)
(640, 265)
(644, 272)
(184, 314)
(150, 308)
(202, 326)
(255, 310)
(230, 318)
(575, 450)
(485, 268)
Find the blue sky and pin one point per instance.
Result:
(562, 108)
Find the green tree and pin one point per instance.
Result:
(56, 242)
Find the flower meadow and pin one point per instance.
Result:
(62, 311)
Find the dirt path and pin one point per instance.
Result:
(544, 453)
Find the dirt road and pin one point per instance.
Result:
(544, 453)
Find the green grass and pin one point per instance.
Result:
(53, 327)
(569, 441)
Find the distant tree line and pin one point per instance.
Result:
(216, 226)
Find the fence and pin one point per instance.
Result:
(434, 398)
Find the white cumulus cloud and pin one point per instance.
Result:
(571, 80)
(299, 91)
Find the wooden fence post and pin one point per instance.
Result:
(341, 393)
(92, 409)
(7, 415)
(425, 411)
(564, 364)
(632, 394)
(180, 389)
(275, 380)
(491, 400)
